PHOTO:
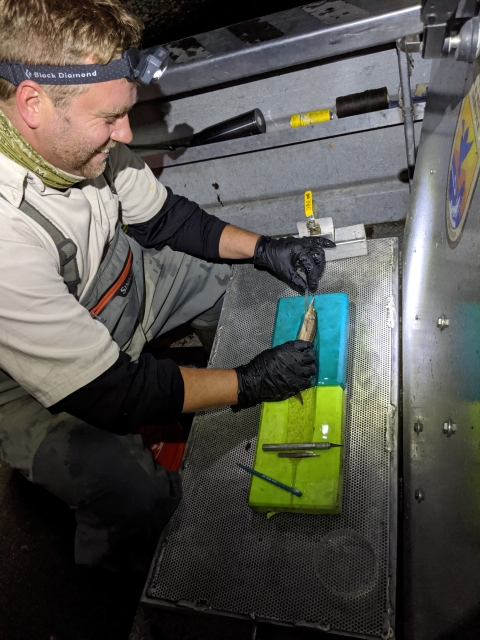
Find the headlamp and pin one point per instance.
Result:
(135, 64)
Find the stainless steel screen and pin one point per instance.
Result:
(332, 572)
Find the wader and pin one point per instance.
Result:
(122, 499)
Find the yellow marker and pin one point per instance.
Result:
(308, 203)
(312, 225)
(312, 117)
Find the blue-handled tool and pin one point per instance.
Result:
(277, 483)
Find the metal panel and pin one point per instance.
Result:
(354, 178)
(300, 37)
(334, 573)
(281, 138)
(278, 96)
(441, 376)
(385, 200)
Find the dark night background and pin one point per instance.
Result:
(170, 20)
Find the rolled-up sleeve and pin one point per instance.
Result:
(183, 226)
(129, 395)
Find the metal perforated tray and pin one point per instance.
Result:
(335, 573)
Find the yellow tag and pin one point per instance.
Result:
(308, 203)
(312, 117)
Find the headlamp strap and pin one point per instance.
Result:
(145, 65)
(16, 72)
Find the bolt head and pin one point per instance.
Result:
(418, 427)
(449, 428)
(419, 496)
(442, 322)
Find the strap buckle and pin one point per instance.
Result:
(67, 250)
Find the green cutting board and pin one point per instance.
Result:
(319, 419)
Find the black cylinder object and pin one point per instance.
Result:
(247, 124)
(356, 103)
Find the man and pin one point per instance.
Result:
(80, 297)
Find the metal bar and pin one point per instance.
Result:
(297, 454)
(303, 38)
(299, 446)
(392, 446)
(339, 243)
(155, 606)
(333, 128)
(407, 106)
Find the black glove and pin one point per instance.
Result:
(284, 256)
(276, 374)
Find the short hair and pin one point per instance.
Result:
(64, 32)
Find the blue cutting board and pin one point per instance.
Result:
(332, 332)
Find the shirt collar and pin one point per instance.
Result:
(14, 180)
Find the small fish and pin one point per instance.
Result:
(309, 324)
(307, 331)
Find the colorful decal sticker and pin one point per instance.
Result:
(464, 164)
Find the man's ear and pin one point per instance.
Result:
(32, 103)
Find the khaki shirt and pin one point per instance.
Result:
(48, 341)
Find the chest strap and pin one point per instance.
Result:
(67, 249)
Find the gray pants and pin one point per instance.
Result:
(122, 499)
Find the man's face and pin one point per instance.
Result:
(77, 139)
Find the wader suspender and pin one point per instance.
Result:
(67, 249)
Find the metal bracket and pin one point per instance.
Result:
(411, 43)
(350, 241)
(452, 29)
(406, 104)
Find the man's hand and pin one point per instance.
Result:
(276, 374)
(283, 257)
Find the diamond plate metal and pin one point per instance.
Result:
(332, 572)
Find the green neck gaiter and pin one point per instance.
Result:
(14, 146)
